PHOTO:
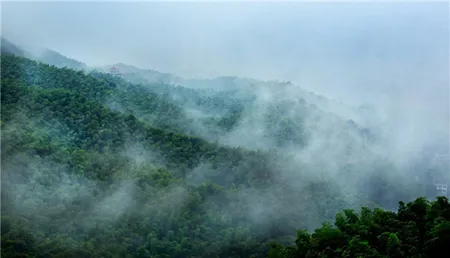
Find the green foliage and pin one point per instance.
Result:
(416, 230)
(66, 158)
(93, 166)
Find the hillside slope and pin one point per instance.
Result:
(93, 166)
(54, 58)
(8, 48)
(44, 55)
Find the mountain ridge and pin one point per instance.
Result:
(96, 166)
(135, 74)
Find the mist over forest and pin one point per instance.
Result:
(225, 129)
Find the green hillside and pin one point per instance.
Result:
(95, 166)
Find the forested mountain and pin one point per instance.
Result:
(228, 105)
(235, 84)
(8, 48)
(94, 165)
(54, 58)
(44, 55)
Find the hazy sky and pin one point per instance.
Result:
(350, 51)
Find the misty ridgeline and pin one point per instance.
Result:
(119, 161)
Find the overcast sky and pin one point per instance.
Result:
(349, 51)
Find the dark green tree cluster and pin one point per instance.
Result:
(418, 229)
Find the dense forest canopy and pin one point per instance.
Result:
(96, 165)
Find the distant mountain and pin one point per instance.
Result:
(226, 108)
(54, 58)
(44, 55)
(248, 86)
(137, 75)
(208, 96)
(8, 48)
